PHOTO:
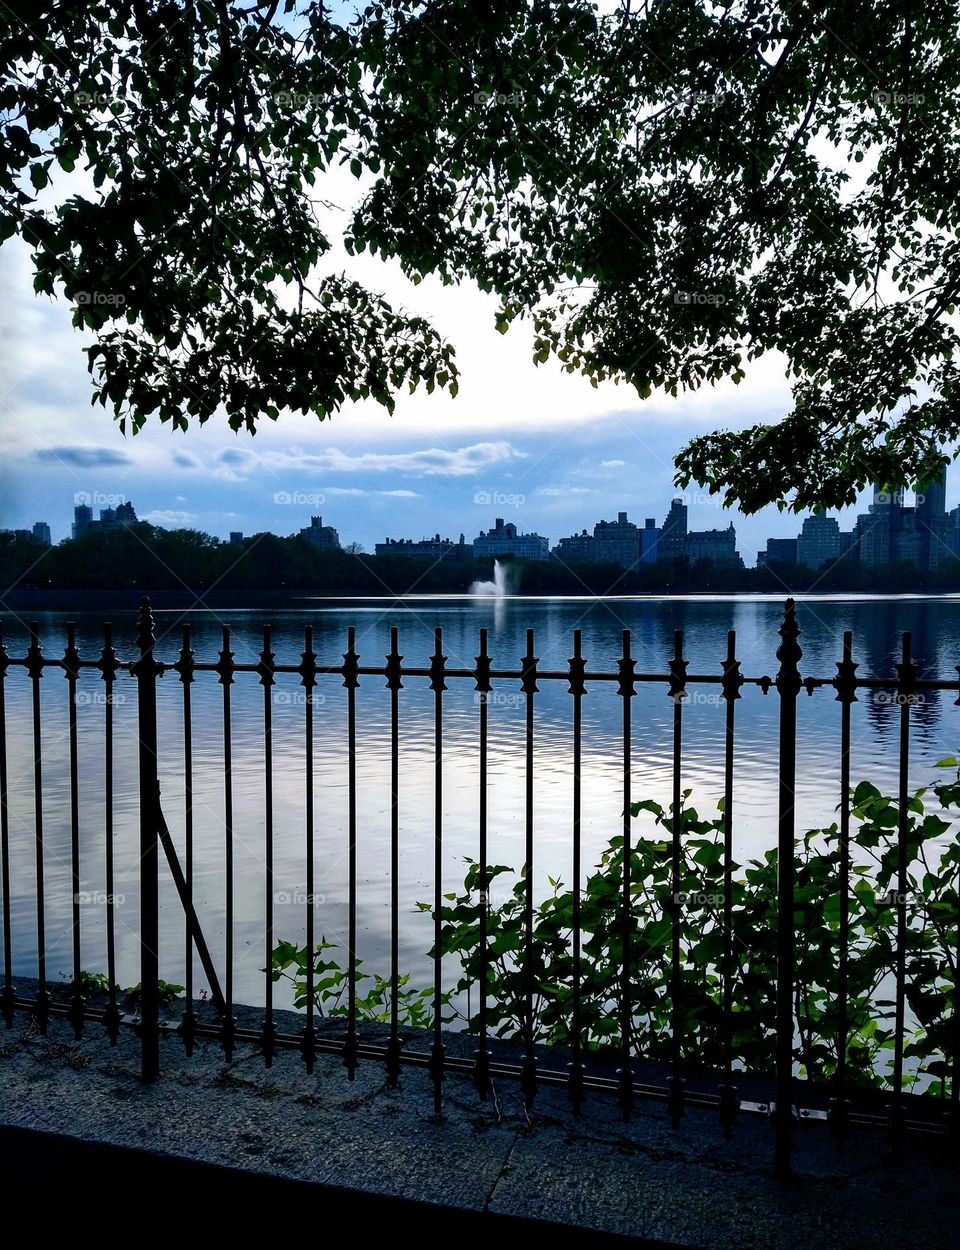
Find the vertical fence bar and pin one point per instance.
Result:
(530, 688)
(732, 683)
(626, 668)
(395, 685)
(481, 1071)
(351, 679)
(438, 686)
(184, 667)
(35, 671)
(308, 677)
(108, 665)
(146, 672)
(225, 669)
(906, 686)
(8, 994)
(788, 685)
(953, 1114)
(678, 693)
(577, 689)
(845, 683)
(71, 671)
(267, 679)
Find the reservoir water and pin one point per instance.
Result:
(877, 626)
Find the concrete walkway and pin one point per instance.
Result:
(479, 1164)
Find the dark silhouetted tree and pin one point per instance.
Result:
(668, 190)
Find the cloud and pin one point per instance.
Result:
(169, 516)
(561, 492)
(612, 464)
(426, 462)
(185, 460)
(234, 455)
(232, 464)
(355, 490)
(83, 457)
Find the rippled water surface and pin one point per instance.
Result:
(877, 627)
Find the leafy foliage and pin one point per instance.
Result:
(99, 983)
(668, 190)
(201, 130)
(671, 190)
(933, 869)
(167, 991)
(331, 984)
(93, 982)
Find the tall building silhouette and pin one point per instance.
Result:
(932, 523)
(892, 532)
(319, 535)
(819, 541)
(673, 535)
(82, 519)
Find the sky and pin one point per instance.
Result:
(526, 442)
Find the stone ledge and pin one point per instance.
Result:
(238, 1128)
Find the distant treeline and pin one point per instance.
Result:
(145, 558)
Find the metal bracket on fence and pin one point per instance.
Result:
(180, 882)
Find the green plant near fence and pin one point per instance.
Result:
(932, 850)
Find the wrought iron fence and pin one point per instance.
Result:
(485, 1064)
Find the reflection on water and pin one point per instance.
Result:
(877, 627)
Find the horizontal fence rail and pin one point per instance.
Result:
(523, 1060)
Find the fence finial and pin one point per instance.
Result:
(146, 638)
(845, 682)
(677, 689)
(578, 667)
(528, 668)
(484, 667)
(393, 669)
(733, 679)
(626, 670)
(351, 661)
(789, 652)
(438, 663)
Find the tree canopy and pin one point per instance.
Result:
(667, 190)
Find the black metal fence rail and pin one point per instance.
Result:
(484, 1066)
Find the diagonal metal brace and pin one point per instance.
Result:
(180, 882)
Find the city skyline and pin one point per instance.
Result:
(889, 531)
